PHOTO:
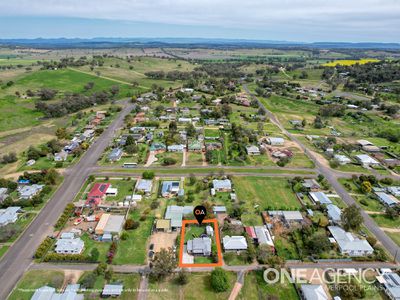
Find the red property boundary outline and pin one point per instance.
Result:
(217, 241)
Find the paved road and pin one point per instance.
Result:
(332, 178)
(144, 269)
(14, 263)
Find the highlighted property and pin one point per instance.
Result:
(183, 254)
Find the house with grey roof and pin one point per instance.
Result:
(69, 245)
(350, 244)
(224, 185)
(199, 246)
(334, 213)
(49, 293)
(234, 243)
(9, 215)
(390, 282)
(263, 236)
(112, 290)
(175, 213)
(219, 209)
(386, 199)
(144, 185)
(319, 198)
(394, 190)
(311, 185)
(287, 216)
(176, 148)
(253, 150)
(275, 141)
(3, 194)
(366, 160)
(342, 159)
(61, 156)
(28, 191)
(115, 154)
(170, 188)
(313, 292)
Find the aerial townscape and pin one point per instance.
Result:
(197, 168)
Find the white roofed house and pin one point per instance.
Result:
(28, 191)
(144, 185)
(320, 198)
(394, 190)
(253, 150)
(50, 293)
(9, 215)
(311, 185)
(390, 282)
(342, 159)
(349, 244)
(115, 154)
(199, 246)
(386, 199)
(275, 141)
(263, 236)
(176, 148)
(224, 185)
(313, 292)
(366, 160)
(170, 188)
(68, 244)
(61, 156)
(334, 213)
(234, 243)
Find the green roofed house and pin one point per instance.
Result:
(157, 147)
(195, 146)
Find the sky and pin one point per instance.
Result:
(279, 20)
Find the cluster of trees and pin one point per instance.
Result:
(226, 70)
(8, 231)
(88, 281)
(370, 73)
(73, 103)
(51, 147)
(175, 75)
(164, 263)
(8, 158)
(332, 110)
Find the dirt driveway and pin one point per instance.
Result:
(163, 240)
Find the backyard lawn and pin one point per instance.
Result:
(34, 279)
(267, 192)
(198, 288)
(133, 249)
(255, 288)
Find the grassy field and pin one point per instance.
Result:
(35, 279)
(267, 192)
(255, 288)
(395, 236)
(384, 221)
(198, 288)
(101, 246)
(133, 249)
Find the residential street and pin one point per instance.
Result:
(19, 258)
(14, 263)
(332, 178)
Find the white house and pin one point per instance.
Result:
(68, 244)
(275, 141)
(224, 185)
(253, 150)
(349, 244)
(342, 159)
(313, 292)
(366, 160)
(234, 243)
(9, 215)
(28, 191)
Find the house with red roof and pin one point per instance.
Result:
(250, 231)
(97, 194)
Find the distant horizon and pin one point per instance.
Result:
(194, 39)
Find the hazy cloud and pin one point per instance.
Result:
(362, 19)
